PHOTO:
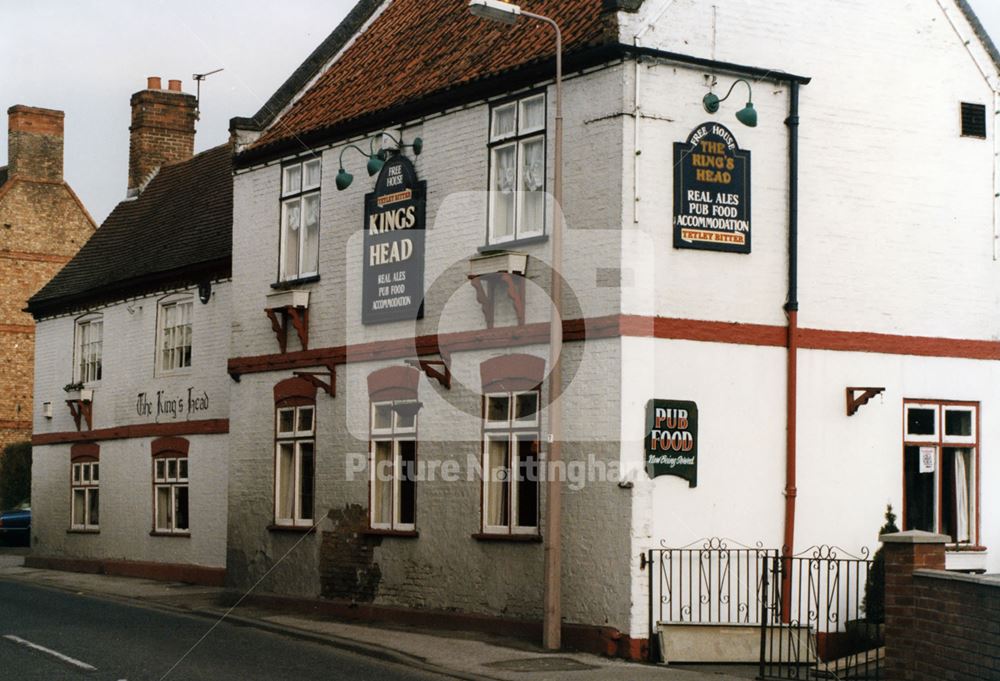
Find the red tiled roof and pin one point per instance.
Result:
(418, 47)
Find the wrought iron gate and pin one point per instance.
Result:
(812, 620)
(808, 608)
(710, 581)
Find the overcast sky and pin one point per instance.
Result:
(87, 57)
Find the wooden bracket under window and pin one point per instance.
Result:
(299, 319)
(857, 397)
(316, 378)
(429, 367)
(486, 293)
(81, 410)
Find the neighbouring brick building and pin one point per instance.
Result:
(130, 463)
(42, 225)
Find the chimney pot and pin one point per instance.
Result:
(162, 130)
(153, 83)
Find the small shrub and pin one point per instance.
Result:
(874, 603)
(15, 475)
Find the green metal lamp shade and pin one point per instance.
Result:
(343, 180)
(374, 164)
(418, 146)
(747, 115)
(711, 102)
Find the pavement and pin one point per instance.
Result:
(462, 655)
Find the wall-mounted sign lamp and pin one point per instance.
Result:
(747, 115)
(376, 159)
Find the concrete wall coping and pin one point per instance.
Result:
(984, 580)
(914, 537)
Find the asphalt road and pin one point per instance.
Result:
(124, 642)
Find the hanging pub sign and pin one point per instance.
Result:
(711, 191)
(672, 439)
(393, 280)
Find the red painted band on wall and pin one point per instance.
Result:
(617, 326)
(202, 427)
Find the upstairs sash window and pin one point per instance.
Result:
(300, 189)
(517, 170)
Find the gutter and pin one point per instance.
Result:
(485, 88)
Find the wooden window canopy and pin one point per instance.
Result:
(437, 369)
(858, 397)
(286, 308)
(316, 378)
(493, 273)
(81, 409)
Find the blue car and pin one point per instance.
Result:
(15, 526)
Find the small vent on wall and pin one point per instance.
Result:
(973, 120)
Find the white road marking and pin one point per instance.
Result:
(48, 651)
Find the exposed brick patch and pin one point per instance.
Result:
(347, 561)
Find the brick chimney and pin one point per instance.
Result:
(35, 143)
(162, 130)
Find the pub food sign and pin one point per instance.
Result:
(711, 191)
(672, 439)
(393, 279)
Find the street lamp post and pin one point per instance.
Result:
(552, 620)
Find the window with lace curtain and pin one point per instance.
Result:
(89, 348)
(940, 468)
(510, 462)
(517, 170)
(174, 334)
(299, 255)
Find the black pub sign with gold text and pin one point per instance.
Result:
(672, 439)
(393, 280)
(711, 191)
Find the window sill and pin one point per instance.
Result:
(295, 529)
(516, 243)
(964, 548)
(294, 283)
(377, 532)
(519, 538)
(82, 531)
(154, 533)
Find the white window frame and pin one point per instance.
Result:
(517, 139)
(162, 479)
(513, 430)
(295, 437)
(173, 302)
(85, 479)
(395, 434)
(291, 195)
(941, 440)
(88, 371)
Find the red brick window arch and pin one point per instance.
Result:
(511, 443)
(170, 486)
(85, 486)
(392, 458)
(294, 452)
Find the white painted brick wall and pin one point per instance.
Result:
(126, 465)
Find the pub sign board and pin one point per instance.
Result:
(711, 191)
(672, 439)
(394, 230)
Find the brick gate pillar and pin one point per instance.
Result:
(905, 552)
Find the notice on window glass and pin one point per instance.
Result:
(711, 191)
(393, 282)
(928, 457)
